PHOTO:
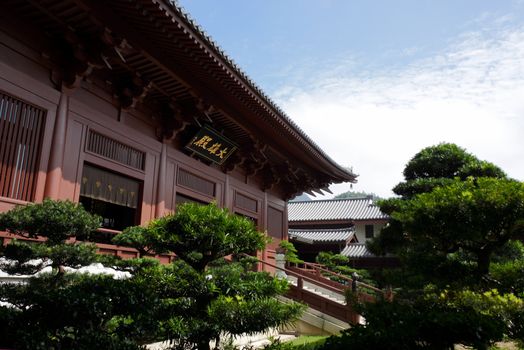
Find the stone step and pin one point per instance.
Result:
(313, 288)
(326, 294)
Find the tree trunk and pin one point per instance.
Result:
(483, 262)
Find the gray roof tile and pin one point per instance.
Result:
(357, 250)
(334, 209)
(321, 235)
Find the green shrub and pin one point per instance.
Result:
(291, 253)
(435, 320)
(338, 263)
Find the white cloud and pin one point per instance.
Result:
(471, 94)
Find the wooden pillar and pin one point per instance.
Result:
(54, 170)
(228, 203)
(161, 185)
(285, 228)
(263, 228)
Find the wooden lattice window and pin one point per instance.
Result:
(246, 203)
(21, 126)
(196, 183)
(275, 222)
(114, 150)
(114, 197)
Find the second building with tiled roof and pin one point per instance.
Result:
(361, 214)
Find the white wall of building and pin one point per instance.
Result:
(360, 230)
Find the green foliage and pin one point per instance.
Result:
(338, 263)
(137, 237)
(235, 315)
(236, 279)
(507, 309)
(308, 342)
(435, 320)
(198, 234)
(191, 301)
(75, 312)
(455, 228)
(421, 323)
(62, 310)
(507, 265)
(441, 161)
(454, 217)
(455, 212)
(69, 312)
(195, 299)
(195, 307)
(290, 252)
(301, 343)
(355, 194)
(30, 258)
(201, 295)
(331, 260)
(511, 251)
(54, 220)
(481, 168)
(508, 275)
(411, 188)
(432, 166)
(447, 160)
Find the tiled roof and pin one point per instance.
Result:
(321, 235)
(334, 209)
(357, 250)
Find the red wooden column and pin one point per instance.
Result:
(161, 185)
(262, 255)
(56, 157)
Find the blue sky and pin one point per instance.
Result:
(372, 82)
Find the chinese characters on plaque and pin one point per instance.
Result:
(210, 145)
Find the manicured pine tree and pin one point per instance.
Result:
(455, 226)
(210, 297)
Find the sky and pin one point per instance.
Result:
(372, 82)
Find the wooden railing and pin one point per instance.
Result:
(315, 301)
(366, 292)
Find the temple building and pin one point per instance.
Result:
(129, 108)
(341, 226)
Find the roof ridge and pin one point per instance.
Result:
(329, 200)
(322, 229)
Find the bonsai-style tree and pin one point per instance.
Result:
(56, 308)
(465, 221)
(454, 227)
(53, 222)
(191, 301)
(438, 165)
(202, 296)
(453, 212)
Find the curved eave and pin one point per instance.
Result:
(273, 112)
(170, 51)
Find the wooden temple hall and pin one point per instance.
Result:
(129, 108)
